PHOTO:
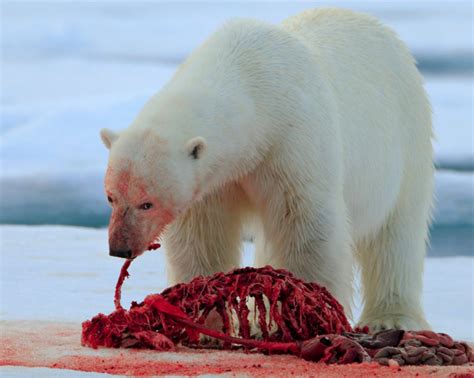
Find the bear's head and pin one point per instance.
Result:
(149, 181)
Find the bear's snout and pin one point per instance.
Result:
(126, 254)
(123, 234)
(119, 243)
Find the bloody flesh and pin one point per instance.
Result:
(294, 317)
(118, 287)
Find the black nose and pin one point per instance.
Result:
(121, 253)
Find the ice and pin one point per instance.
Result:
(454, 198)
(452, 100)
(171, 30)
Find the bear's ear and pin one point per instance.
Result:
(108, 137)
(196, 147)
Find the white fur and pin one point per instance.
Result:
(318, 131)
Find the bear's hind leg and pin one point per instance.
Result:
(207, 238)
(392, 264)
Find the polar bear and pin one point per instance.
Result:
(317, 131)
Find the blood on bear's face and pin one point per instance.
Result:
(138, 217)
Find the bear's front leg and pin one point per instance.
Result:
(392, 261)
(206, 238)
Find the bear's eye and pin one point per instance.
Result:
(110, 199)
(146, 206)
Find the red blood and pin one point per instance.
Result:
(39, 343)
(154, 246)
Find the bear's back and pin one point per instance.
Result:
(364, 61)
(345, 33)
(370, 71)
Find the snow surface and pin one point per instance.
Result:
(70, 68)
(20, 371)
(64, 274)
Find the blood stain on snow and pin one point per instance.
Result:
(57, 345)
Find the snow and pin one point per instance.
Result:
(20, 371)
(64, 274)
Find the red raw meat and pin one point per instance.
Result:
(310, 323)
